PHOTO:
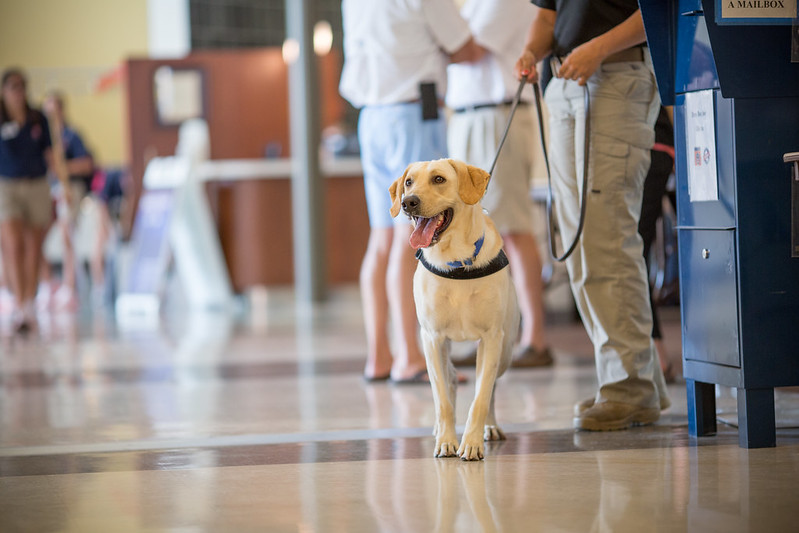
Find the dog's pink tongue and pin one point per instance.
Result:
(423, 233)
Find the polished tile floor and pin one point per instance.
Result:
(261, 422)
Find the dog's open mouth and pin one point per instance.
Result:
(428, 230)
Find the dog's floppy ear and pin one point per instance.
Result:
(472, 181)
(397, 190)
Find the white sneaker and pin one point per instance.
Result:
(64, 299)
(44, 295)
(6, 301)
(23, 318)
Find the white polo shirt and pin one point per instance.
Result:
(391, 46)
(500, 26)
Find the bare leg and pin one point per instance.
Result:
(11, 232)
(33, 238)
(375, 302)
(525, 264)
(669, 372)
(68, 265)
(401, 266)
(97, 264)
(663, 356)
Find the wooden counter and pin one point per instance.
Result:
(251, 204)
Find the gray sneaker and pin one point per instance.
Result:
(529, 357)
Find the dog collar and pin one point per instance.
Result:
(461, 272)
(469, 261)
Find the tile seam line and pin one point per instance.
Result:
(225, 441)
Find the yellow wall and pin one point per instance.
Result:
(68, 44)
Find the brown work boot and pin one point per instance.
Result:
(580, 407)
(529, 357)
(610, 416)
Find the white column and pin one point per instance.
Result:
(168, 28)
(307, 185)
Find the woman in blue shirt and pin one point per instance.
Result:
(25, 204)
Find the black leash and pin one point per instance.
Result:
(586, 151)
(513, 107)
(584, 195)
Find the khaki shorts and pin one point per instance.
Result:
(26, 199)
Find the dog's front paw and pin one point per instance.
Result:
(493, 433)
(446, 447)
(471, 449)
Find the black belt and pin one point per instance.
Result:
(484, 106)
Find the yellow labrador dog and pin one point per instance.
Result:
(463, 291)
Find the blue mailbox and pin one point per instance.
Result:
(736, 106)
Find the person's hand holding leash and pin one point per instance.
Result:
(539, 45)
(581, 63)
(525, 67)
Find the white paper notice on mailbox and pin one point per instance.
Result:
(700, 140)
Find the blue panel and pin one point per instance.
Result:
(709, 297)
(687, 6)
(660, 21)
(769, 277)
(753, 22)
(696, 69)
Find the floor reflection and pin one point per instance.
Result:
(262, 422)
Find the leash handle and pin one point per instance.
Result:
(584, 195)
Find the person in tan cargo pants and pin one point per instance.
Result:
(600, 44)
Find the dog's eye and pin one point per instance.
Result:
(408, 182)
(439, 179)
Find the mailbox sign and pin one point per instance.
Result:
(755, 11)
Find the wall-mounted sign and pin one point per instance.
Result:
(178, 94)
(755, 11)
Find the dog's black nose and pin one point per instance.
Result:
(410, 204)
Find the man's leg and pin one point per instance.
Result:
(11, 239)
(375, 302)
(525, 263)
(604, 269)
(409, 359)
